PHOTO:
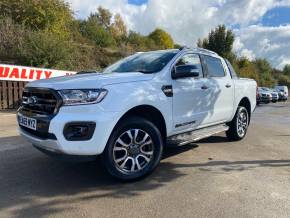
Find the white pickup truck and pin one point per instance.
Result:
(132, 109)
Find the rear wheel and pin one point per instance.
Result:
(239, 125)
(134, 149)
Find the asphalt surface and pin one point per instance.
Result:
(211, 178)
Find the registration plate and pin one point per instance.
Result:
(27, 122)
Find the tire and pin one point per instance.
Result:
(127, 157)
(239, 125)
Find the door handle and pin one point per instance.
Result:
(228, 85)
(204, 87)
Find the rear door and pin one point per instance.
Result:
(220, 90)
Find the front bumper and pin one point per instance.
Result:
(275, 98)
(46, 144)
(284, 97)
(105, 122)
(265, 99)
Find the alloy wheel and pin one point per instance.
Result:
(133, 151)
(242, 123)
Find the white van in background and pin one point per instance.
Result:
(284, 89)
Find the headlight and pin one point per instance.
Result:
(82, 96)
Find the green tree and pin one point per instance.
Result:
(219, 40)
(12, 39)
(161, 38)
(103, 17)
(92, 30)
(45, 49)
(45, 33)
(119, 28)
(139, 42)
(245, 68)
(286, 70)
(177, 46)
(264, 70)
(51, 15)
(283, 80)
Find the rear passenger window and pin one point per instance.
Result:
(214, 66)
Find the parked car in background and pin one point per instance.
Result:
(284, 90)
(265, 95)
(275, 95)
(280, 94)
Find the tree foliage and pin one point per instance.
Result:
(51, 15)
(221, 41)
(45, 50)
(286, 70)
(119, 29)
(162, 38)
(12, 39)
(103, 17)
(45, 33)
(91, 30)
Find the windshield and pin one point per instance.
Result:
(147, 62)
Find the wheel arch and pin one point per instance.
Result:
(150, 113)
(245, 102)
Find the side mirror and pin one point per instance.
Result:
(184, 71)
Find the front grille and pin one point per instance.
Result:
(40, 101)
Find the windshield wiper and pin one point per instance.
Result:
(146, 72)
(139, 71)
(86, 72)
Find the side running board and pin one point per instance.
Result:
(196, 135)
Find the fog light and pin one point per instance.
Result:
(79, 131)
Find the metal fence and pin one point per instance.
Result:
(10, 94)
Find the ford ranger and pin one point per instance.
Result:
(128, 112)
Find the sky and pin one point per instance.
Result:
(261, 27)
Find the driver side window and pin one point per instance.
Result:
(191, 59)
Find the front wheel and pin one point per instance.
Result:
(133, 150)
(239, 125)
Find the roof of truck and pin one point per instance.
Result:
(185, 48)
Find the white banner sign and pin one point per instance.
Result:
(19, 73)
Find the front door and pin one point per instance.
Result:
(189, 96)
